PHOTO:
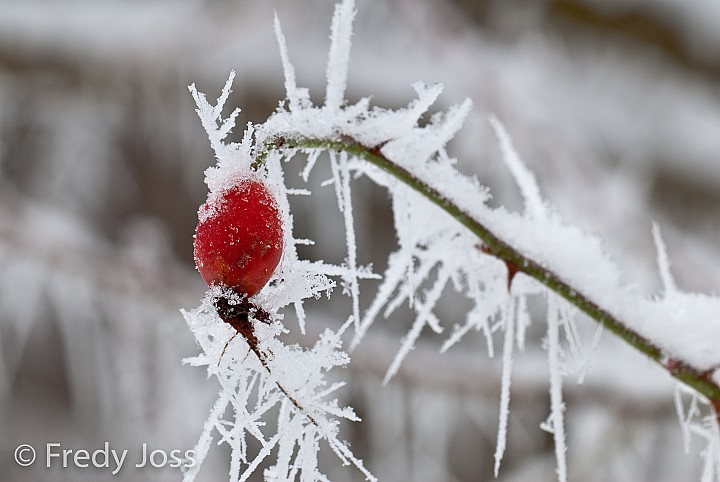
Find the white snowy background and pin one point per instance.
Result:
(614, 105)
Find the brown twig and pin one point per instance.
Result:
(241, 315)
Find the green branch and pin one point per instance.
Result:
(699, 380)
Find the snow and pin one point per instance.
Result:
(435, 254)
(567, 106)
(276, 374)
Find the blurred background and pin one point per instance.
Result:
(614, 104)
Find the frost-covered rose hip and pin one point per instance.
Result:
(239, 237)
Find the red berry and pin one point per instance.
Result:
(239, 237)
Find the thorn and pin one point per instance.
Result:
(512, 268)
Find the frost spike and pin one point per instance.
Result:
(507, 364)
(557, 407)
(424, 317)
(663, 261)
(350, 239)
(339, 55)
(203, 445)
(534, 205)
(393, 276)
(291, 88)
(209, 116)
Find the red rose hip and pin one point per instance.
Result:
(239, 237)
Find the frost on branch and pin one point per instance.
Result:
(436, 213)
(693, 422)
(288, 381)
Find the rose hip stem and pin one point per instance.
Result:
(240, 316)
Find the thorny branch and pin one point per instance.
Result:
(700, 380)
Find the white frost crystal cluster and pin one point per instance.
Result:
(435, 252)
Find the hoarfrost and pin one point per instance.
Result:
(534, 205)
(509, 328)
(435, 254)
(339, 56)
(693, 422)
(556, 422)
(663, 262)
(282, 379)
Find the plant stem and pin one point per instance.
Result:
(241, 317)
(697, 379)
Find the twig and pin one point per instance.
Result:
(240, 315)
(697, 379)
